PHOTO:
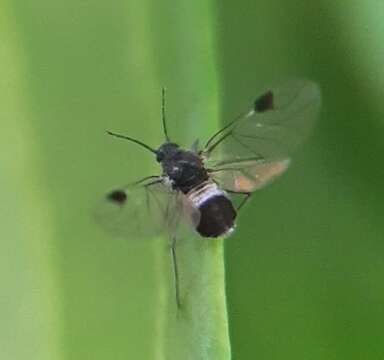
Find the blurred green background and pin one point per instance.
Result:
(305, 268)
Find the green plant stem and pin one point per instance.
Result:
(199, 328)
(187, 66)
(185, 53)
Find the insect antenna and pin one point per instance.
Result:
(163, 114)
(133, 140)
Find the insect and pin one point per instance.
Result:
(196, 188)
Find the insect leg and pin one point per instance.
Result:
(176, 272)
(247, 196)
(152, 177)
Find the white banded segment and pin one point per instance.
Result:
(204, 192)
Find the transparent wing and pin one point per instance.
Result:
(248, 175)
(280, 119)
(146, 210)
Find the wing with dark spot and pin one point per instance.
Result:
(145, 210)
(280, 119)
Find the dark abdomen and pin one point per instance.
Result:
(217, 216)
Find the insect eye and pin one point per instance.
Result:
(159, 156)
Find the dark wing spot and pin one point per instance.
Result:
(264, 102)
(117, 196)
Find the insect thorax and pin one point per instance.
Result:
(185, 170)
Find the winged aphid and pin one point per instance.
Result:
(196, 187)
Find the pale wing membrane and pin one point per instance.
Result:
(280, 120)
(144, 211)
(248, 175)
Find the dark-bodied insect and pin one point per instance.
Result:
(197, 187)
